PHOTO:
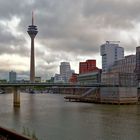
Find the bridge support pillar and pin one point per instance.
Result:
(16, 97)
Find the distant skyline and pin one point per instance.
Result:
(69, 30)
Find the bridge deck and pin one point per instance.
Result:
(54, 85)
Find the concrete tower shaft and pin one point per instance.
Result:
(32, 31)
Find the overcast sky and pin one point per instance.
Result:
(69, 30)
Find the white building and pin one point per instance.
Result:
(58, 78)
(12, 77)
(65, 73)
(64, 67)
(110, 52)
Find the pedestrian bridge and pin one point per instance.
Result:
(16, 86)
(48, 85)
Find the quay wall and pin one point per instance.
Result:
(71, 91)
(118, 95)
(113, 95)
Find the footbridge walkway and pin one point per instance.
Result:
(16, 88)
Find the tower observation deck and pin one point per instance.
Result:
(32, 31)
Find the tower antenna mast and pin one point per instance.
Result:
(32, 17)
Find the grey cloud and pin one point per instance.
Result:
(8, 9)
(116, 14)
(102, 14)
(18, 50)
(4, 74)
(77, 46)
(68, 28)
(46, 71)
(23, 75)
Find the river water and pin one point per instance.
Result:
(52, 118)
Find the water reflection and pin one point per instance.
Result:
(52, 118)
(16, 117)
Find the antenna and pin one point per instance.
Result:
(32, 17)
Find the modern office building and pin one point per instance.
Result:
(89, 78)
(88, 66)
(12, 77)
(110, 52)
(32, 31)
(65, 71)
(121, 73)
(64, 67)
(126, 65)
(88, 72)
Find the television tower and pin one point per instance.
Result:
(32, 31)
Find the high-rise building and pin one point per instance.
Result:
(12, 77)
(110, 52)
(65, 73)
(64, 67)
(32, 31)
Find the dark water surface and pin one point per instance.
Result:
(54, 119)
